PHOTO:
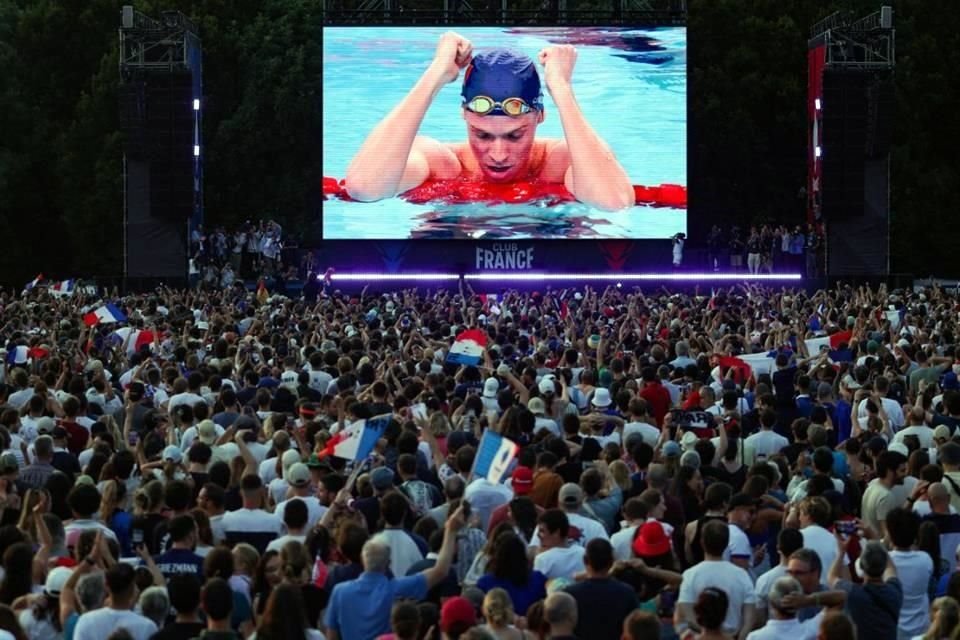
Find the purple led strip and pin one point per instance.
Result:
(538, 277)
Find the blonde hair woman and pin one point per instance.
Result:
(500, 617)
(945, 615)
(621, 475)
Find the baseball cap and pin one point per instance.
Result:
(536, 406)
(500, 74)
(651, 540)
(298, 475)
(690, 459)
(381, 478)
(289, 458)
(8, 463)
(522, 480)
(457, 613)
(571, 495)
(59, 433)
(490, 388)
(942, 432)
(173, 454)
(45, 425)
(57, 580)
(547, 386)
(671, 449)
(207, 432)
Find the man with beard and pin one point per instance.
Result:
(878, 499)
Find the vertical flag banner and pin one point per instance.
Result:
(494, 456)
(468, 347)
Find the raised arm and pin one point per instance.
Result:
(393, 159)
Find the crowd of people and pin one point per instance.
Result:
(252, 252)
(768, 248)
(180, 477)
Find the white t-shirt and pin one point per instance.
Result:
(648, 432)
(484, 497)
(277, 545)
(764, 582)
(560, 562)
(186, 397)
(893, 410)
(823, 543)
(253, 521)
(278, 488)
(876, 504)
(765, 444)
(914, 569)
(38, 629)
(924, 435)
(404, 552)
(100, 623)
(315, 510)
(727, 577)
(622, 543)
(739, 545)
(588, 527)
(268, 470)
(792, 628)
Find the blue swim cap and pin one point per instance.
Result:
(502, 74)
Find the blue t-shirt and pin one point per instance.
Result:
(178, 561)
(361, 608)
(522, 596)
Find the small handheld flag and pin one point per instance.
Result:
(358, 439)
(468, 347)
(494, 456)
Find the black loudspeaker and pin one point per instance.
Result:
(844, 143)
(169, 135)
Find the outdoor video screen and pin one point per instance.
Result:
(504, 133)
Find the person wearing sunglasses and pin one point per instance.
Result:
(502, 105)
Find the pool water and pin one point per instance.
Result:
(630, 83)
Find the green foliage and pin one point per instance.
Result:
(60, 148)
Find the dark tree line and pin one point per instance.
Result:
(60, 146)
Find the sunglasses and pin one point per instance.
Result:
(483, 105)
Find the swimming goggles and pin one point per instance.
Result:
(483, 105)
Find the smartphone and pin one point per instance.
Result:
(846, 528)
(133, 438)
(465, 505)
(137, 537)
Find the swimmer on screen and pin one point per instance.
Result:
(502, 106)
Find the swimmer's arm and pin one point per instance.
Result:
(594, 177)
(393, 159)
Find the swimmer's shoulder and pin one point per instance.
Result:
(442, 159)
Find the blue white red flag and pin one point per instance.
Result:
(358, 439)
(468, 347)
(106, 313)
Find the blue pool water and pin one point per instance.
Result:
(630, 83)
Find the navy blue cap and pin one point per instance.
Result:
(500, 74)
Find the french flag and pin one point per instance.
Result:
(63, 288)
(30, 285)
(760, 363)
(357, 440)
(107, 313)
(18, 355)
(468, 347)
(833, 342)
(494, 456)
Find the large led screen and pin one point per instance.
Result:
(504, 133)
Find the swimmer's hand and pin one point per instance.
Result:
(558, 62)
(454, 52)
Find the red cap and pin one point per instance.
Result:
(457, 612)
(651, 540)
(522, 480)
